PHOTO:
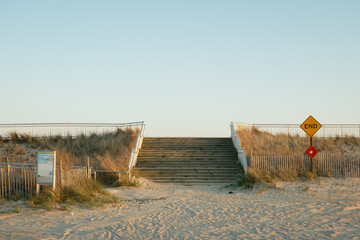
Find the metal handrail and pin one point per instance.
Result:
(239, 149)
(136, 149)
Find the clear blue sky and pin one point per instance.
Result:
(187, 68)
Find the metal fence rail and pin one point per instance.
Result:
(327, 130)
(63, 129)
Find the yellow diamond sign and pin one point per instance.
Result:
(310, 126)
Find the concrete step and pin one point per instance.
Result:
(194, 181)
(189, 166)
(185, 167)
(193, 144)
(153, 176)
(186, 170)
(190, 144)
(175, 151)
(169, 155)
(190, 173)
(188, 149)
(181, 156)
(211, 139)
(184, 164)
(186, 159)
(192, 177)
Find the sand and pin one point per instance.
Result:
(329, 208)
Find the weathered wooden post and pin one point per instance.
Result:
(88, 168)
(37, 190)
(8, 176)
(60, 173)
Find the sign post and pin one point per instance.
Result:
(311, 126)
(46, 170)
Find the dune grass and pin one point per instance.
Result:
(255, 176)
(87, 193)
(264, 143)
(109, 151)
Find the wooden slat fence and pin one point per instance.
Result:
(19, 180)
(335, 165)
(71, 175)
(338, 165)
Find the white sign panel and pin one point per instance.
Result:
(46, 167)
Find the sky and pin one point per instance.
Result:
(186, 68)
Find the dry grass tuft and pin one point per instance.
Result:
(86, 193)
(262, 191)
(256, 176)
(305, 188)
(112, 162)
(263, 143)
(308, 175)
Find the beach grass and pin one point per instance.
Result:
(264, 143)
(87, 193)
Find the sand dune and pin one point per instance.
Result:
(326, 209)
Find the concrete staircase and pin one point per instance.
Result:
(188, 160)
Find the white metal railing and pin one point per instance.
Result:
(327, 130)
(237, 145)
(63, 129)
(136, 149)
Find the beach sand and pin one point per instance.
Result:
(325, 208)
